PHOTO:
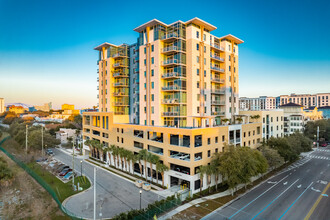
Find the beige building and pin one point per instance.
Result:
(307, 100)
(168, 93)
(2, 105)
(294, 118)
(257, 104)
(272, 122)
(45, 107)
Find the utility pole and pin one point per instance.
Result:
(73, 164)
(317, 137)
(94, 193)
(26, 138)
(42, 141)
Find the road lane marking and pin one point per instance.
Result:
(316, 190)
(316, 203)
(295, 200)
(325, 195)
(257, 197)
(275, 199)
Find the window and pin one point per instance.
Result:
(228, 47)
(197, 46)
(204, 73)
(204, 37)
(229, 68)
(152, 60)
(197, 34)
(197, 59)
(197, 72)
(152, 85)
(145, 109)
(145, 85)
(152, 97)
(223, 138)
(152, 110)
(152, 48)
(209, 141)
(145, 73)
(117, 139)
(197, 109)
(152, 122)
(205, 108)
(208, 153)
(145, 97)
(145, 50)
(229, 57)
(122, 130)
(122, 140)
(204, 61)
(152, 72)
(198, 97)
(216, 141)
(234, 69)
(234, 59)
(145, 62)
(204, 49)
(197, 85)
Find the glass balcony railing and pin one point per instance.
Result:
(119, 55)
(120, 94)
(120, 103)
(120, 74)
(119, 65)
(171, 48)
(120, 84)
(218, 80)
(172, 101)
(218, 91)
(171, 61)
(170, 35)
(173, 75)
(216, 68)
(219, 113)
(217, 46)
(171, 114)
(175, 87)
(217, 58)
(218, 102)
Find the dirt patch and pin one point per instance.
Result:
(25, 198)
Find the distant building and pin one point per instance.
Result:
(257, 104)
(272, 122)
(325, 111)
(64, 133)
(45, 107)
(306, 100)
(69, 110)
(88, 110)
(313, 114)
(294, 118)
(32, 109)
(16, 109)
(2, 105)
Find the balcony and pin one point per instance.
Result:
(217, 46)
(215, 57)
(170, 36)
(173, 88)
(173, 75)
(170, 114)
(217, 80)
(117, 55)
(136, 70)
(119, 94)
(171, 101)
(218, 91)
(97, 79)
(217, 69)
(217, 113)
(180, 155)
(98, 70)
(171, 49)
(119, 65)
(170, 62)
(120, 74)
(120, 104)
(217, 102)
(119, 84)
(97, 87)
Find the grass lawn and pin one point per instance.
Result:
(63, 190)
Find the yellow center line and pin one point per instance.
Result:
(316, 203)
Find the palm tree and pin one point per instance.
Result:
(139, 158)
(215, 166)
(124, 156)
(225, 120)
(201, 170)
(154, 159)
(144, 155)
(110, 151)
(115, 152)
(130, 157)
(162, 169)
(88, 143)
(133, 159)
(239, 120)
(209, 172)
(157, 169)
(106, 150)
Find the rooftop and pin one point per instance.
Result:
(291, 104)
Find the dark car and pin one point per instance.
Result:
(49, 152)
(61, 168)
(65, 171)
(324, 145)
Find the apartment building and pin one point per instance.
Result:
(272, 122)
(2, 105)
(257, 104)
(306, 100)
(168, 93)
(294, 119)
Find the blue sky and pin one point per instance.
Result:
(46, 47)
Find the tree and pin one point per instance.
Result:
(239, 120)
(225, 120)
(115, 153)
(324, 128)
(209, 171)
(162, 169)
(201, 170)
(154, 159)
(111, 152)
(283, 148)
(273, 158)
(144, 156)
(130, 159)
(215, 163)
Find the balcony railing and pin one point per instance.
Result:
(218, 91)
(218, 113)
(170, 61)
(120, 104)
(173, 74)
(119, 55)
(217, 46)
(218, 102)
(215, 68)
(175, 87)
(217, 58)
(170, 35)
(119, 94)
(119, 65)
(171, 48)
(120, 84)
(171, 101)
(218, 80)
(120, 74)
(171, 114)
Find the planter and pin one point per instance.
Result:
(146, 186)
(138, 183)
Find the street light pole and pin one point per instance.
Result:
(81, 168)
(42, 141)
(73, 164)
(317, 137)
(94, 193)
(26, 138)
(140, 198)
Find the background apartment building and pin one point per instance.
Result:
(294, 119)
(168, 93)
(2, 105)
(258, 104)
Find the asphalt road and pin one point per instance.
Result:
(114, 194)
(290, 195)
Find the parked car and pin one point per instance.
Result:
(324, 145)
(65, 171)
(60, 168)
(68, 175)
(50, 152)
(41, 159)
